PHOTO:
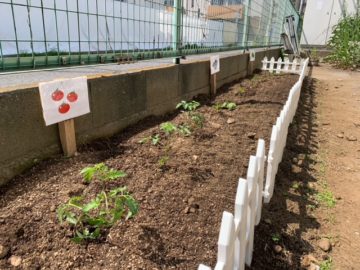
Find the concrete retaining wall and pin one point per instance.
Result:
(116, 101)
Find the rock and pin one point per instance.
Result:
(295, 169)
(277, 249)
(307, 260)
(251, 135)
(267, 221)
(215, 125)
(351, 138)
(3, 251)
(326, 123)
(300, 162)
(230, 121)
(340, 135)
(295, 160)
(324, 244)
(15, 260)
(195, 157)
(301, 156)
(191, 200)
(52, 208)
(313, 267)
(192, 210)
(187, 210)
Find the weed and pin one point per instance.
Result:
(226, 105)
(155, 139)
(188, 106)
(184, 130)
(89, 219)
(198, 119)
(101, 172)
(168, 128)
(295, 186)
(326, 197)
(326, 265)
(241, 90)
(163, 161)
(276, 237)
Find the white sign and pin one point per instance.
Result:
(252, 55)
(64, 99)
(214, 64)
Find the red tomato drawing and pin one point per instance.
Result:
(72, 96)
(57, 95)
(64, 108)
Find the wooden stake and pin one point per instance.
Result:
(213, 85)
(67, 137)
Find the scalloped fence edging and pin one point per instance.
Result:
(236, 237)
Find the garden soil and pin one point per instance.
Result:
(183, 185)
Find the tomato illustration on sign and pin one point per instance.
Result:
(57, 95)
(64, 108)
(72, 96)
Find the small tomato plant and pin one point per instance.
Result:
(101, 172)
(225, 105)
(184, 130)
(188, 106)
(89, 219)
(198, 119)
(168, 128)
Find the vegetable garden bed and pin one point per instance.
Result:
(183, 181)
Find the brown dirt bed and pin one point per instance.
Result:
(201, 175)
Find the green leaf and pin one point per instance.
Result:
(71, 219)
(114, 174)
(94, 204)
(88, 173)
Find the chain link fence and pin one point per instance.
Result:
(44, 33)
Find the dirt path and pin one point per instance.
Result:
(339, 142)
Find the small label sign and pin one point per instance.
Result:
(214, 64)
(252, 55)
(64, 99)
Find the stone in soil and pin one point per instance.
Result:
(3, 251)
(307, 260)
(277, 249)
(295, 169)
(230, 121)
(313, 267)
(351, 138)
(325, 244)
(15, 260)
(251, 135)
(340, 135)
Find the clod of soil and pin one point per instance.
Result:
(181, 202)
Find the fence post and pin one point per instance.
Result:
(176, 27)
(294, 65)
(265, 60)
(225, 257)
(278, 66)
(247, 5)
(241, 205)
(272, 61)
(260, 155)
(286, 67)
(203, 267)
(269, 185)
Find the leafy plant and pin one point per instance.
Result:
(326, 197)
(241, 90)
(155, 139)
(184, 130)
(276, 237)
(101, 172)
(225, 105)
(89, 219)
(326, 265)
(163, 160)
(198, 119)
(188, 106)
(345, 43)
(168, 128)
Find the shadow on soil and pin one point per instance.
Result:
(286, 218)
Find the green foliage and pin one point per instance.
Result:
(225, 105)
(276, 237)
(326, 265)
(184, 130)
(188, 106)
(345, 43)
(89, 219)
(314, 54)
(241, 90)
(326, 197)
(163, 160)
(155, 139)
(168, 128)
(198, 119)
(101, 172)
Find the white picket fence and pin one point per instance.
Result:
(236, 238)
(296, 66)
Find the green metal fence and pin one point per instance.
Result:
(44, 33)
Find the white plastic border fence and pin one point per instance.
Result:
(236, 238)
(296, 66)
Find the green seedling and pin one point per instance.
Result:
(89, 219)
(276, 237)
(188, 106)
(326, 265)
(226, 105)
(184, 130)
(168, 128)
(296, 185)
(144, 140)
(155, 139)
(326, 197)
(241, 90)
(163, 161)
(198, 119)
(101, 172)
